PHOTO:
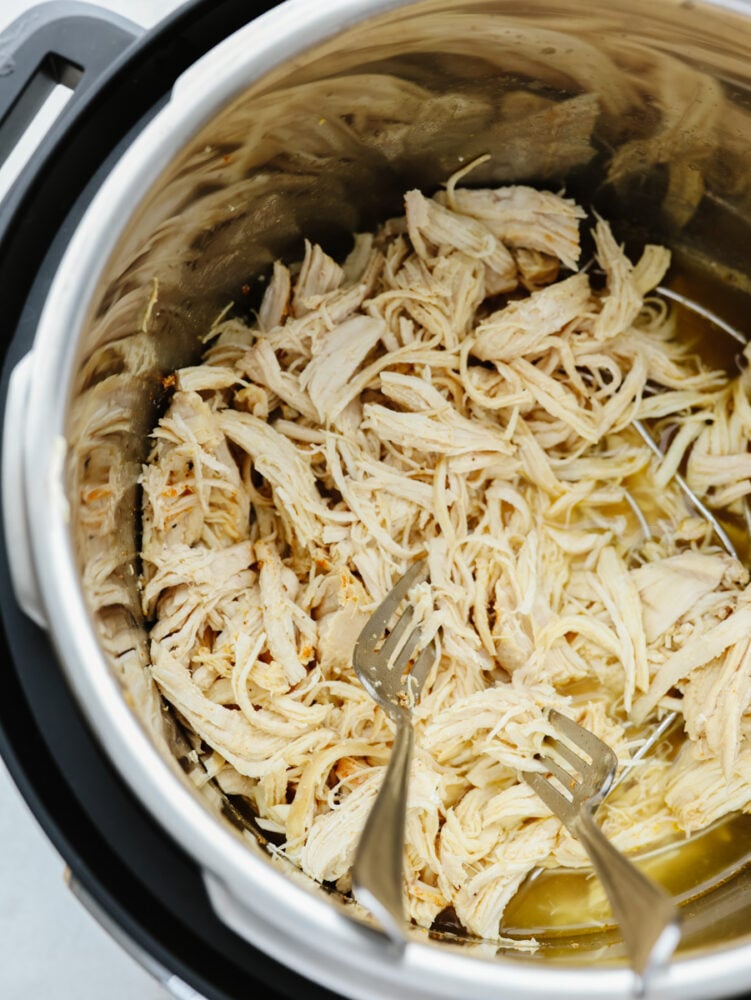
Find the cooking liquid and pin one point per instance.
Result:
(561, 902)
(557, 903)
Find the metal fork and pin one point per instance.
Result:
(384, 662)
(648, 918)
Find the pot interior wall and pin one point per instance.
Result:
(642, 110)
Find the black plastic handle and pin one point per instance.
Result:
(64, 43)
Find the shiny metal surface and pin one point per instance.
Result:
(648, 920)
(313, 121)
(382, 659)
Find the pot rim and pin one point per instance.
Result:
(344, 955)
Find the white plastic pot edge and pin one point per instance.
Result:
(15, 513)
(280, 910)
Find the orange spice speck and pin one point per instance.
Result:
(98, 493)
(348, 768)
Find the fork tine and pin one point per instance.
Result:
(567, 780)
(391, 643)
(567, 753)
(423, 663)
(592, 745)
(382, 615)
(405, 653)
(553, 799)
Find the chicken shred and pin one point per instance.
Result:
(456, 387)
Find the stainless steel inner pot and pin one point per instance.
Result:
(313, 121)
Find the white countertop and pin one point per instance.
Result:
(50, 948)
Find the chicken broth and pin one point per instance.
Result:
(716, 293)
(567, 902)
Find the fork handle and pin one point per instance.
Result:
(379, 860)
(648, 918)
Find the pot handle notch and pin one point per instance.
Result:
(49, 58)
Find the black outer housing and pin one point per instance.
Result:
(127, 863)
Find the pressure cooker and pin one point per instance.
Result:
(186, 162)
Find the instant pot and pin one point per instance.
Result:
(187, 160)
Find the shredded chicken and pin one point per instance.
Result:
(454, 387)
